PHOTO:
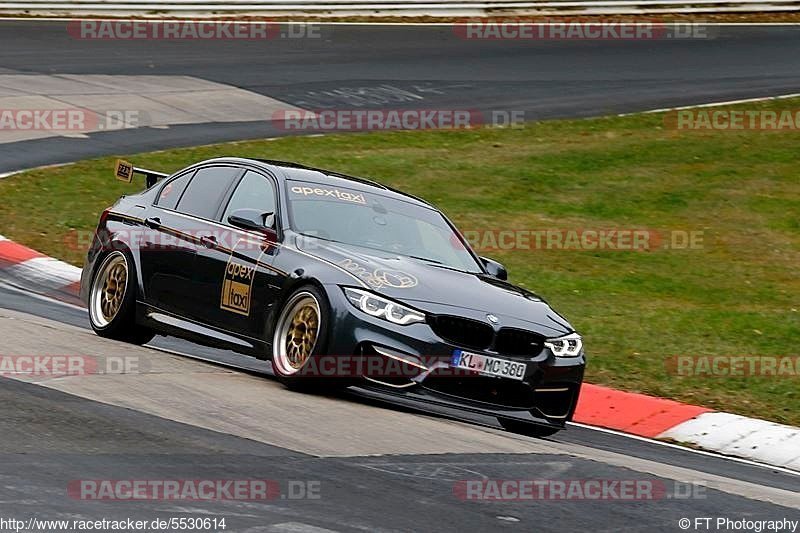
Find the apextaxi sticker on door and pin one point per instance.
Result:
(237, 288)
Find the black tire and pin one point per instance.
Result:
(119, 324)
(301, 376)
(523, 428)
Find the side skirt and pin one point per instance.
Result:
(167, 323)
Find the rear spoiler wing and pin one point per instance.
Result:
(124, 171)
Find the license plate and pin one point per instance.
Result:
(493, 366)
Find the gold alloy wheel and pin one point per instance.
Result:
(108, 289)
(296, 333)
(301, 336)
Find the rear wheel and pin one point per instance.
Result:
(300, 335)
(112, 301)
(523, 428)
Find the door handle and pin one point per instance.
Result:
(153, 222)
(209, 241)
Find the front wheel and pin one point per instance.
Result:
(112, 301)
(523, 428)
(300, 336)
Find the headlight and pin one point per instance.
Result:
(375, 305)
(566, 346)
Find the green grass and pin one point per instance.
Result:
(737, 295)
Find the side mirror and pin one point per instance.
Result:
(495, 269)
(254, 220)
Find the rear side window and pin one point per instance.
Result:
(172, 191)
(206, 190)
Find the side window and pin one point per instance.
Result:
(205, 191)
(253, 192)
(172, 191)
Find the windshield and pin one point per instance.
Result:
(373, 221)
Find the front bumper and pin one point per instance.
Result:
(547, 394)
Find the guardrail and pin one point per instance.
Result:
(451, 8)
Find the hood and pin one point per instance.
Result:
(441, 290)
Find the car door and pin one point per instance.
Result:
(166, 256)
(177, 225)
(234, 275)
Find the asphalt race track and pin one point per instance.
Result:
(405, 67)
(370, 465)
